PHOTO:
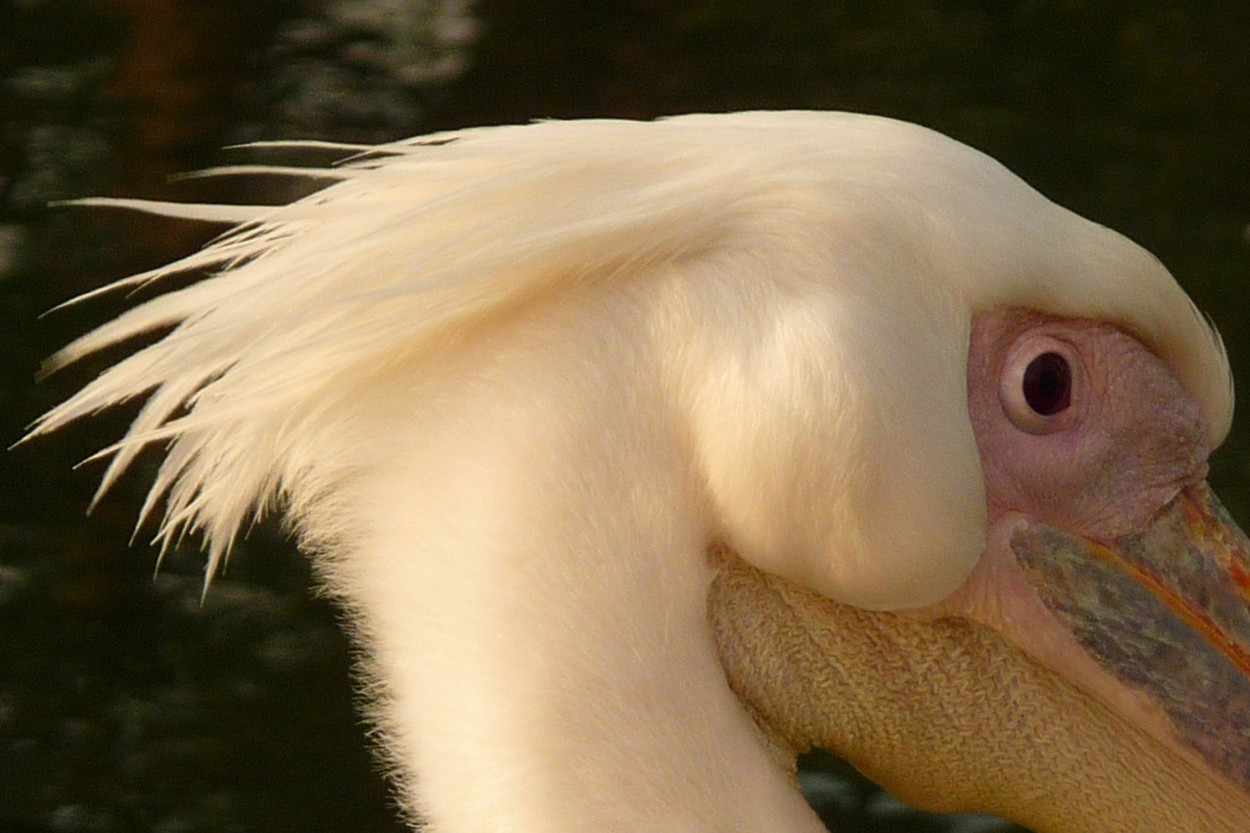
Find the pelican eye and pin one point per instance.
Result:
(1047, 384)
(1040, 387)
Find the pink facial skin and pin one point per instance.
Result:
(1130, 439)
(1107, 558)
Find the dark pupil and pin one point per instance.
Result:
(1048, 384)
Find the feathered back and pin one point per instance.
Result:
(415, 241)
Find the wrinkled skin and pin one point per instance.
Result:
(950, 716)
(1036, 691)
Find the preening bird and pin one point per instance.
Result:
(644, 455)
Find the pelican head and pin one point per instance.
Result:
(643, 456)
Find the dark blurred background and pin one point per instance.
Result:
(125, 704)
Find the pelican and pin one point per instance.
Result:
(644, 455)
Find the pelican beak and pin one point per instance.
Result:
(1166, 612)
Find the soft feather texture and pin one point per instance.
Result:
(509, 384)
(850, 231)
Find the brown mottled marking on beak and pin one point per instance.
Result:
(1165, 611)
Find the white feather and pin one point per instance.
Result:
(419, 240)
(509, 383)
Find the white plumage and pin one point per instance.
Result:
(509, 384)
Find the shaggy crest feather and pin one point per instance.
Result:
(409, 241)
